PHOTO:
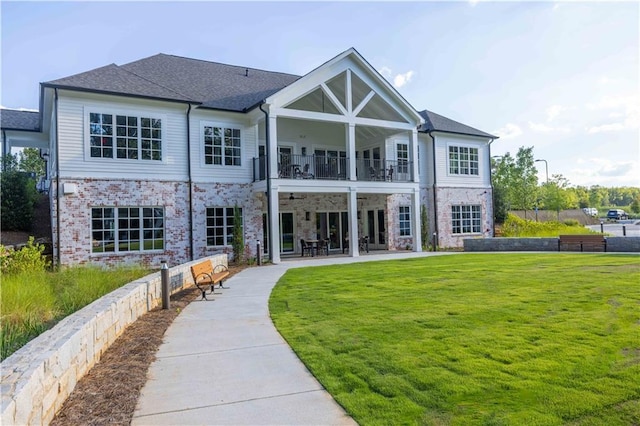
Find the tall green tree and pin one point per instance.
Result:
(557, 195)
(516, 180)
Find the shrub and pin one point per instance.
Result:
(26, 260)
(517, 227)
(18, 200)
(571, 222)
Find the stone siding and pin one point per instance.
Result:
(38, 378)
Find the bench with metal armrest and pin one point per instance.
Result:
(587, 240)
(205, 275)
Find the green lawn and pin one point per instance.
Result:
(490, 339)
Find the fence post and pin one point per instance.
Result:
(624, 230)
(164, 273)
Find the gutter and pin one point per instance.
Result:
(267, 159)
(435, 197)
(493, 198)
(4, 149)
(190, 183)
(58, 255)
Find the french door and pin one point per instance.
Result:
(333, 226)
(287, 233)
(376, 229)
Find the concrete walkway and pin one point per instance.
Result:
(224, 363)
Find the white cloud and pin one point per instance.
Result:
(402, 79)
(398, 80)
(606, 128)
(553, 111)
(544, 128)
(385, 72)
(509, 130)
(605, 172)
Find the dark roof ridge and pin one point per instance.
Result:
(220, 63)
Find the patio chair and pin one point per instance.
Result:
(308, 248)
(305, 172)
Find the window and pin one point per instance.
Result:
(220, 225)
(222, 146)
(405, 221)
(465, 219)
(127, 229)
(402, 150)
(463, 160)
(135, 137)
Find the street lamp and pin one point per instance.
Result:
(546, 168)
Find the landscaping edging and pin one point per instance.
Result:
(38, 378)
(614, 244)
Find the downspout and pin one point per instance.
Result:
(190, 183)
(55, 111)
(493, 199)
(267, 159)
(4, 149)
(435, 197)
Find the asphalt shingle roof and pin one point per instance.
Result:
(437, 122)
(169, 77)
(13, 119)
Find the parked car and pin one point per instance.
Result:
(617, 214)
(591, 211)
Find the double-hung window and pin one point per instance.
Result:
(405, 221)
(220, 223)
(222, 146)
(121, 136)
(127, 229)
(463, 160)
(402, 152)
(465, 219)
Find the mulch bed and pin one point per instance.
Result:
(108, 394)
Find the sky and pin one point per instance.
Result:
(562, 77)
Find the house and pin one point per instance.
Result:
(148, 160)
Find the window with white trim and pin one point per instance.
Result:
(125, 137)
(463, 160)
(402, 152)
(404, 220)
(466, 219)
(127, 229)
(222, 146)
(219, 227)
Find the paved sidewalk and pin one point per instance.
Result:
(224, 363)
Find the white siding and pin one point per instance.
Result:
(425, 146)
(443, 141)
(208, 173)
(75, 160)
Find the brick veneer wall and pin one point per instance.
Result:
(38, 378)
(447, 197)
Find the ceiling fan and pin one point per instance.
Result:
(291, 197)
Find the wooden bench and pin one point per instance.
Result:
(204, 274)
(587, 240)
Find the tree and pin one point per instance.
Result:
(18, 201)
(31, 162)
(635, 206)
(556, 194)
(516, 180)
(237, 242)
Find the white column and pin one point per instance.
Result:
(273, 147)
(351, 149)
(417, 225)
(352, 204)
(414, 155)
(274, 224)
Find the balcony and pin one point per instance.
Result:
(335, 168)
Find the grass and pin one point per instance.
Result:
(33, 302)
(500, 339)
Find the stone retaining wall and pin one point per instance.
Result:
(614, 244)
(38, 378)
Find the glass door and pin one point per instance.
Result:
(333, 226)
(287, 232)
(376, 229)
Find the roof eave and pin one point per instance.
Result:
(108, 92)
(486, 136)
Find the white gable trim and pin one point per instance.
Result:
(349, 61)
